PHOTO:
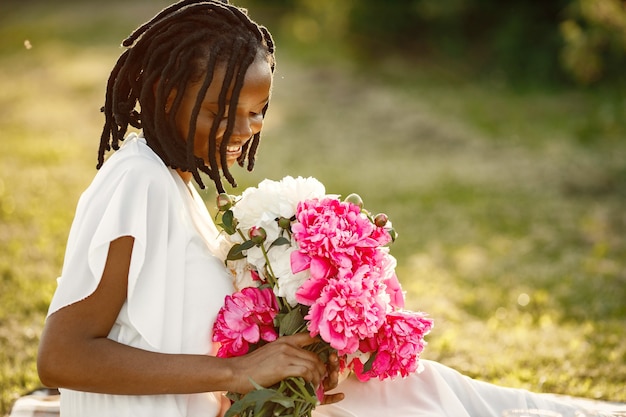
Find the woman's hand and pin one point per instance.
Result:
(286, 358)
(276, 361)
(332, 380)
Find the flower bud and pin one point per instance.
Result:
(224, 202)
(284, 223)
(257, 234)
(381, 219)
(354, 199)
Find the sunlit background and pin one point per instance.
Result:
(492, 133)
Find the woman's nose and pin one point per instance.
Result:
(242, 130)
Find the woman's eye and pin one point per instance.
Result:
(214, 116)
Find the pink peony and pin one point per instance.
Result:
(348, 310)
(333, 237)
(398, 346)
(381, 235)
(396, 295)
(311, 290)
(247, 317)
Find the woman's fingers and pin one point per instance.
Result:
(278, 360)
(332, 378)
(333, 398)
(299, 339)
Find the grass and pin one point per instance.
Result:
(509, 204)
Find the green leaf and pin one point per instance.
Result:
(236, 251)
(228, 222)
(304, 390)
(370, 362)
(233, 396)
(262, 401)
(292, 397)
(281, 240)
(291, 322)
(250, 400)
(247, 245)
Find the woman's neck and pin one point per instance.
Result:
(185, 175)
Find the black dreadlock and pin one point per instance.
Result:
(182, 43)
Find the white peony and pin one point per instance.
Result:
(262, 205)
(288, 282)
(242, 274)
(255, 257)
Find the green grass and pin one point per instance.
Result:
(509, 204)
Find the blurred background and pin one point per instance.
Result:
(492, 133)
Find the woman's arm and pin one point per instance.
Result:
(75, 352)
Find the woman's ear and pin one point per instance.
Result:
(170, 100)
(170, 97)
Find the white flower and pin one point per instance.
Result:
(262, 205)
(288, 282)
(299, 189)
(241, 271)
(255, 257)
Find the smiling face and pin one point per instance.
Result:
(248, 120)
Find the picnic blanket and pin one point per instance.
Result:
(43, 402)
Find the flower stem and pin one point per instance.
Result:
(271, 277)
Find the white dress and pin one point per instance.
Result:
(175, 285)
(439, 391)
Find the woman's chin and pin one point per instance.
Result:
(231, 161)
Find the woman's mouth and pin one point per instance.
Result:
(233, 151)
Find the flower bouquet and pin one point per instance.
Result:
(305, 261)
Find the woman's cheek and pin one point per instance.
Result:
(257, 124)
(204, 125)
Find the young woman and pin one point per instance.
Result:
(129, 328)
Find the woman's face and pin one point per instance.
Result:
(254, 96)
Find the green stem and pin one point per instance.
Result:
(274, 281)
(271, 277)
(269, 266)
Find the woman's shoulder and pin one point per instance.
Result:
(135, 155)
(134, 167)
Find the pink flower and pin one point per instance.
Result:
(247, 317)
(320, 268)
(255, 276)
(398, 346)
(381, 235)
(311, 290)
(333, 237)
(395, 292)
(348, 310)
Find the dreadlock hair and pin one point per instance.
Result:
(181, 44)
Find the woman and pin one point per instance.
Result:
(129, 328)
